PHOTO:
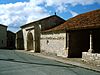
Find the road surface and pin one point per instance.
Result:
(18, 63)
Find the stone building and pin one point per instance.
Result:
(77, 37)
(3, 36)
(11, 40)
(32, 31)
(19, 40)
(82, 34)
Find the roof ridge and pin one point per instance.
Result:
(42, 19)
(3, 25)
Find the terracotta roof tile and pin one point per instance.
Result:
(82, 21)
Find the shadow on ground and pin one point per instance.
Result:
(12, 60)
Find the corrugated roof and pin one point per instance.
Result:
(83, 21)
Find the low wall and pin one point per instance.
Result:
(91, 58)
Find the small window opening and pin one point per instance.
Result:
(47, 41)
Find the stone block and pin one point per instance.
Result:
(91, 58)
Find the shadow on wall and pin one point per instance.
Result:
(79, 42)
(11, 40)
(19, 40)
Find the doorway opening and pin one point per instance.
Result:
(29, 41)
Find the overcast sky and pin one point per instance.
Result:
(15, 13)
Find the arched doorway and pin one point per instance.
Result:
(29, 41)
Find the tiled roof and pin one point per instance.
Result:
(83, 21)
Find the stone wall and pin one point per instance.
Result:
(11, 40)
(54, 44)
(3, 36)
(91, 58)
(35, 30)
(19, 40)
(25, 33)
